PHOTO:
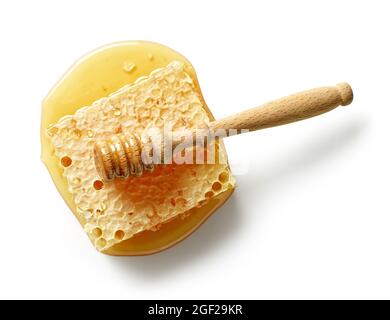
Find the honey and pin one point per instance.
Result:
(97, 75)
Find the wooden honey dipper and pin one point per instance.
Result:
(120, 156)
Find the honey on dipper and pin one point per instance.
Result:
(93, 125)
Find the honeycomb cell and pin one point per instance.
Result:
(97, 232)
(224, 177)
(209, 194)
(217, 186)
(98, 184)
(101, 243)
(66, 161)
(119, 235)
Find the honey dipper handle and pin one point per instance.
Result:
(289, 109)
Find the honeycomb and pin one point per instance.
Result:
(116, 211)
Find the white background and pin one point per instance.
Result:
(310, 219)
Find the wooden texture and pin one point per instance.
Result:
(289, 109)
